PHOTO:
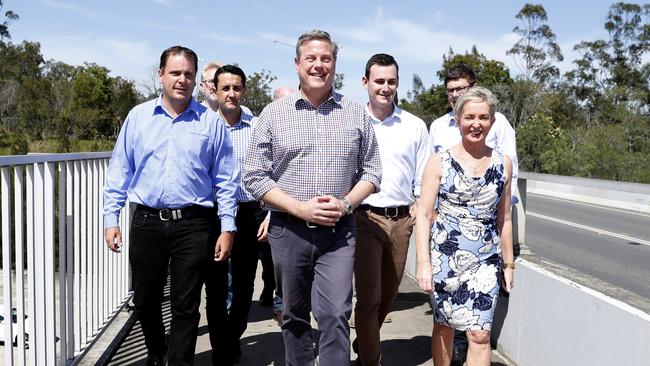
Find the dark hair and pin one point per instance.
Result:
(381, 59)
(179, 50)
(230, 69)
(461, 71)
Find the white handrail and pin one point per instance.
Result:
(52, 212)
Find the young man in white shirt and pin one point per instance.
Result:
(384, 223)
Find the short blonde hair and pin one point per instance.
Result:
(476, 94)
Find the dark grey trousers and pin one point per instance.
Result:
(314, 268)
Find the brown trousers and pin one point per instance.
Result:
(382, 245)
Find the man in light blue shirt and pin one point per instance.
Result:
(227, 326)
(171, 158)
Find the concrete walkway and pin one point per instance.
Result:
(405, 341)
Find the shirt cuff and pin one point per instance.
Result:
(111, 220)
(228, 224)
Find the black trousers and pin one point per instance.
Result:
(180, 246)
(227, 326)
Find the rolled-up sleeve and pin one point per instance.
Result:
(258, 163)
(369, 162)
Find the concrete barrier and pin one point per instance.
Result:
(623, 195)
(552, 320)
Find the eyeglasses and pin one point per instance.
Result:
(460, 90)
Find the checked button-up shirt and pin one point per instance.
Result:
(309, 151)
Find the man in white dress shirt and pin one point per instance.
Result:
(384, 223)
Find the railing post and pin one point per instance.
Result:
(5, 187)
(19, 181)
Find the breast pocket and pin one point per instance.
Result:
(193, 150)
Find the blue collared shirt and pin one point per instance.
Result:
(240, 134)
(165, 162)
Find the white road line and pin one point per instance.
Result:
(589, 228)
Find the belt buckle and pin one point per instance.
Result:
(310, 225)
(387, 210)
(165, 214)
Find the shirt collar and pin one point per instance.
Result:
(193, 107)
(452, 119)
(397, 114)
(244, 118)
(334, 97)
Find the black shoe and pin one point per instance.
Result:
(266, 299)
(155, 361)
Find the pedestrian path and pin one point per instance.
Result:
(405, 340)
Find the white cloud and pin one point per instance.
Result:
(73, 8)
(128, 59)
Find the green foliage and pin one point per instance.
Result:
(13, 143)
(431, 103)
(536, 50)
(338, 81)
(258, 91)
(10, 17)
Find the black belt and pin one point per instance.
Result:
(392, 212)
(250, 205)
(289, 217)
(166, 214)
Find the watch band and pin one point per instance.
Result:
(348, 206)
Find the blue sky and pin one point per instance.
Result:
(128, 36)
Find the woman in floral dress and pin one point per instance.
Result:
(464, 232)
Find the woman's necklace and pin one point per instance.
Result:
(475, 168)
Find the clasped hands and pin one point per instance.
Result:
(321, 210)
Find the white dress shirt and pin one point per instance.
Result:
(404, 150)
(443, 134)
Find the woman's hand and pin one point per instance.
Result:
(508, 278)
(424, 278)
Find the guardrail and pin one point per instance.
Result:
(57, 276)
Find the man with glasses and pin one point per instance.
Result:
(207, 85)
(444, 133)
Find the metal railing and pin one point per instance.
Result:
(58, 278)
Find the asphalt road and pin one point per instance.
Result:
(611, 245)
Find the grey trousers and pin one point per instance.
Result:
(314, 268)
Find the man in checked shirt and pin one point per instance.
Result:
(313, 158)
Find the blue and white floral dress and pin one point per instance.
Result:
(465, 245)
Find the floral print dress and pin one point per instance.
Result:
(465, 245)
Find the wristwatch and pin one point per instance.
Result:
(348, 206)
(509, 265)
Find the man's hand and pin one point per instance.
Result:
(113, 239)
(413, 209)
(321, 210)
(263, 231)
(224, 246)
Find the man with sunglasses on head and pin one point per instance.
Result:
(444, 133)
